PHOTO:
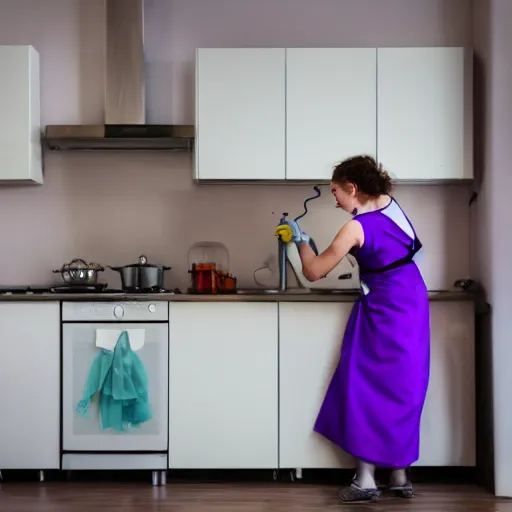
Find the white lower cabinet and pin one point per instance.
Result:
(310, 344)
(247, 380)
(448, 426)
(30, 384)
(310, 335)
(223, 385)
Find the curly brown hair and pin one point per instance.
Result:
(364, 172)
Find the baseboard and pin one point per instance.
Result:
(431, 475)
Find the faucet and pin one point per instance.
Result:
(281, 250)
(283, 259)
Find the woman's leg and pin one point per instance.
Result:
(398, 478)
(365, 475)
(400, 484)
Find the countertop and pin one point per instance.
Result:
(247, 296)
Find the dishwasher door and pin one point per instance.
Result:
(85, 434)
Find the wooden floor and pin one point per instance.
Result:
(81, 497)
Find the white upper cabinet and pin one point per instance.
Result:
(424, 116)
(20, 129)
(240, 114)
(331, 108)
(275, 113)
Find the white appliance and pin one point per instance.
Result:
(85, 445)
(347, 271)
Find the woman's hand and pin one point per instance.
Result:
(296, 235)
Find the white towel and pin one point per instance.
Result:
(107, 338)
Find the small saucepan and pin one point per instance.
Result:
(79, 273)
(142, 275)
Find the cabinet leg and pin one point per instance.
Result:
(275, 475)
(154, 478)
(163, 477)
(1, 477)
(298, 473)
(41, 476)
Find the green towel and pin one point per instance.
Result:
(121, 380)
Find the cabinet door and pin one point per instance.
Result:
(424, 106)
(310, 337)
(30, 383)
(448, 436)
(240, 114)
(223, 389)
(331, 108)
(20, 137)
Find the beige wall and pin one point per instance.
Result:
(112, 207)
(492, 214)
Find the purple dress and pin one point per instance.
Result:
(372, 408)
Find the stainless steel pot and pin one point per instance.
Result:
(79, 272)
(142, 275)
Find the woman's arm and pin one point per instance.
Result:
(316, 267)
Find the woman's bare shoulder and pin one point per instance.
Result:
(351, 233)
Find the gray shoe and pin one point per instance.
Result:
(356, 494)
(402, 491)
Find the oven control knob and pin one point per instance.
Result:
(152, 308)
(118, 311)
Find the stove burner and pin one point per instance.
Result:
(79, 288)
(101, 288)
(11, 290)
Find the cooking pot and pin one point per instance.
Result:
(142, 275)
(79, 272)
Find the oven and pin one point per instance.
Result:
(86, 328)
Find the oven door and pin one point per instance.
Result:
(85, 434)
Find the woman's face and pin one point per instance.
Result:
(345, 195)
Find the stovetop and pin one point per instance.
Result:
(58, 288)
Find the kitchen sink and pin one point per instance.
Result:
(271, 291)
(298, 291)
(335, 291)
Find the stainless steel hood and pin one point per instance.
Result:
(125, 102)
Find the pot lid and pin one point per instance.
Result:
(79, 264)
(143, 262)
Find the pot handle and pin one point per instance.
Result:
(78, 260)
(117, 269)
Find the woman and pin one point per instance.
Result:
(374, 402)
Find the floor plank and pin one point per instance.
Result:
(225, 497)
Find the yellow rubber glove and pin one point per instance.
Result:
(284, 232)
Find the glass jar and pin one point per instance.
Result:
(209, 267)
(214, 253)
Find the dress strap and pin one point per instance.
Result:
(413, 249)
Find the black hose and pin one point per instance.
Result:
(318, 193)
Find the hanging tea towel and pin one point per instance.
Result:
(121, 380)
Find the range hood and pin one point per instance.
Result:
(125, 125)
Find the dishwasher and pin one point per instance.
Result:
(86, 444)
